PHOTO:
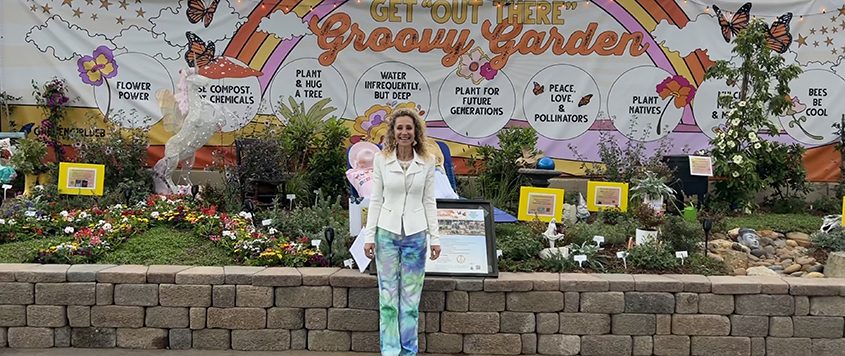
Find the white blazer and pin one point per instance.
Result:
(392, 205)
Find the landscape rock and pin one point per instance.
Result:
(835, 267)
(760, 271)
(801, 238)
(814, 275)
(791, 243)
(739, 272)
(792, 268)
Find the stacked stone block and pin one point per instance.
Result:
(333, 310)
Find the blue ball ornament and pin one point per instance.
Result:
(546, 163)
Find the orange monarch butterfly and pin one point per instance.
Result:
(739, 21)
(585, 100)
(199, 53)
(197, 11)
(539, 89)
(779, 37)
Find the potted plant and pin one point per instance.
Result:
(28, 160)
(648, 221)
(651, 190)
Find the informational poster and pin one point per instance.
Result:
(463, 242)
(701, 166)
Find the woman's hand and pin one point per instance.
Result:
(370, 250)
(435, 252)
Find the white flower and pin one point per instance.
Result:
(12, 221)
(107, 227)
(742, 103)
(757, 146)
(154, 215)
(273, 231)
(731, 144)
(118, 206)
(732, 112)
(735, 174)
(64, 213)
(735, 122)
(125, 219)
(69, 230)
(245, 215)
(2, 221)
(83, 215)
(752, 136)
(737, 159)
(228, 233)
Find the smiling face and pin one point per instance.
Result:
(403, 129)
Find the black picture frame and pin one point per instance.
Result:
(490, 237)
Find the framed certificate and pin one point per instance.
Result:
(607, 195)
(541, 203)
(81, 178)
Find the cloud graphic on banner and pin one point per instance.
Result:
(284, 25)
(701, 33)
(137, 39)
(172, 22)
(63, 40)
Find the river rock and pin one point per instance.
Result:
(734, 233)
(814, 275)
(797, 274)
(720, 244)
(792, 268)
(776, 268)
(760, 271)
(791, 243)
(815, 268)
(716, 257)
(805, 260)
(770, 251)
(765, 241)
(735, 259)
(757, 252)
(801, 238)
(835, 267)
(739, 272)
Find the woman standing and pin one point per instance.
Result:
(402, 208)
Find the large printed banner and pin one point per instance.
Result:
(571, 70)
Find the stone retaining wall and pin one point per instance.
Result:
(324, 309)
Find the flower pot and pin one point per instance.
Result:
(45, 178)
(644, 236)
(29, 182)
(655, 203)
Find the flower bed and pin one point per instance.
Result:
(88, 234)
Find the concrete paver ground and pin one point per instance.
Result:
(127, 352)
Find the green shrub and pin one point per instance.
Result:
(788, 205)
(682, 235)
(827, 205)
(558, 264)
(700, 264)
(518, 242)
(830, 241)
(653, 256)
(613, 234)
(778, 222)
(312, 222)
(498, 176)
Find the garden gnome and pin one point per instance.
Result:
(581, 211)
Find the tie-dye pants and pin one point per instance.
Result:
(401, 270)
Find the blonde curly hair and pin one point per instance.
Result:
(420, 146)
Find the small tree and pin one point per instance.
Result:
(735, 148)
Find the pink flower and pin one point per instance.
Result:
(488, 72)
(95, 240)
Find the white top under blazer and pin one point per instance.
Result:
(402, 200)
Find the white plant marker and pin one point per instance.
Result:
(316, 243)
(291, 197)
(266, 222)
(580, 259)
(624, 256)
(682, 255)
(598, 240)
(348, 263)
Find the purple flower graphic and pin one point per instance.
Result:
(97, 68)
